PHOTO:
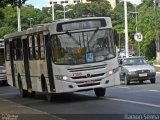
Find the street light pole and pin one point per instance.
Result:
(126, 28)
(137, 30)
(136, 15)
(52, 10)
(64, 10)
(18, 19)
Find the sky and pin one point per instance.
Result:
(37, 3)
(43, 3)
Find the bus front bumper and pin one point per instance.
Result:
(67, 86)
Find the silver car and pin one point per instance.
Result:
(137, 69)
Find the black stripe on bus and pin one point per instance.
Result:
(49, 63)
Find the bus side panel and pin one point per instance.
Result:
(19, 70)
(8, 73)
(38, 68)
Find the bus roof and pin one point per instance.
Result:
(47, 26)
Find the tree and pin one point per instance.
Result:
(10, 20)
(146, 26)
(118, 18)
(4, 3)
(90, 9)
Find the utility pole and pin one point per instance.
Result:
(52, 10)
(126, 28)
(157, 33)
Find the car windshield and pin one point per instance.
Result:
(83, 47)
(134, 61)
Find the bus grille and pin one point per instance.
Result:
(87, 68)
(94, 75)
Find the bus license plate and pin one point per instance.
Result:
(89, 82)
(143, 75)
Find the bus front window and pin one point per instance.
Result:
(83, 47)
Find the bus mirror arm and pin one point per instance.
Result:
(116, 37)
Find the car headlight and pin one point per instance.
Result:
(131, 72)
(152, 70)
(62, 77)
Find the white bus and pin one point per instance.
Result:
(2, 63)
(63, 56)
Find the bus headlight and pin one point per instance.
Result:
(61, 77)
(113, 71)
(110, 72)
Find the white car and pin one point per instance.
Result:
(137, 69)
(3, 74)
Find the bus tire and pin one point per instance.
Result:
(100, 92)
(49, 96)
(32, 94)
(23, 92)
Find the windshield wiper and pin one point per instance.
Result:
(94, 34)
(74, 39)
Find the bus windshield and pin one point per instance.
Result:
(83, 47)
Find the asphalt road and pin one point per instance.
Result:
(135, 101)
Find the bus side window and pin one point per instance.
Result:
(7, 50)
(31, 48)
(36, 41)
(17, 48)
(42, 52)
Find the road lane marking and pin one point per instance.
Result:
(13, 93)
(154, 91)
(136, 102)
(123, 87)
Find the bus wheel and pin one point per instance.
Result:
(100, 92)
(49, 96)
(33, 94)
(23, 93)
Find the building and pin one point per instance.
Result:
(112, 2)
(65, 1)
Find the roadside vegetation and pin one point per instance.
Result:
(31, 16)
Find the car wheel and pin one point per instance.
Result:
(126, 81)
(153, 80)
(141, 82)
